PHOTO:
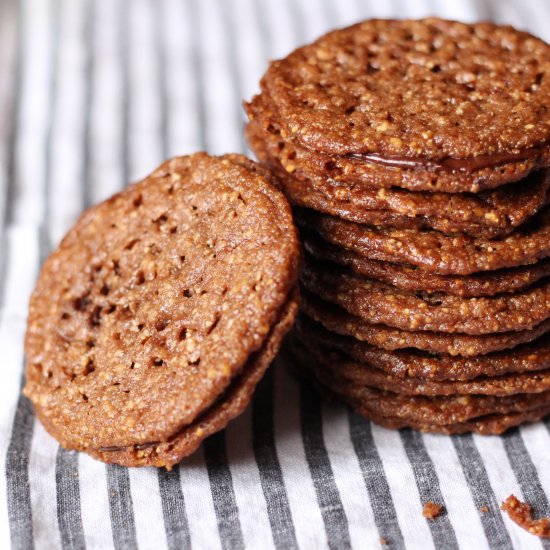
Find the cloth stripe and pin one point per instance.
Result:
(228, 24)
(375, 480)
(89, 71)
(69, 514)
(526, 475)
(17, 477)
(10, 112)
(223, 495)
(18, 454)
(271, 477)
(428, 486)
(197, 72)
(121, 508)
(328, 496)
(482, 492)
(173, 509)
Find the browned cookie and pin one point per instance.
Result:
(381, 303)
(229, 405)
(413, 279)
(438, 410)
(490, 214)
(491, 424)
(155, 301)
(424, 366)
(336, 319)
(522, 514)
(433, 103)
(366, 374)
(432, 250)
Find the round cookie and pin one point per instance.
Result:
(424, 366)
(380, 303)
(490, 214)
(420, 97)
(413, 279)
(156, 300)
(431, 250)
(336, 319)
(366, 374)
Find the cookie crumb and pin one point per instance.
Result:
(520, 513)
(484, 509)
(432, 510)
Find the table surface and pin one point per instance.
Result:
(94, 94)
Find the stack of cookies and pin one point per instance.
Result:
(415, 154)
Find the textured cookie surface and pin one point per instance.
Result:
(425, 89)
(437, 410)
(155, 301)
(232, 402)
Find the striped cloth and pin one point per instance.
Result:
(94, 94)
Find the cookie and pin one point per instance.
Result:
(156, 301)
(413, 279)
(437, 411)
(491, 424)
(380, 303)
(425, 366)
(432, 250)
(232, 403)
(488, 424)
(366, 374)
(490, 214)
(336, 319)
(430, 104)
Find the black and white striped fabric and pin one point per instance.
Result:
(96, 93)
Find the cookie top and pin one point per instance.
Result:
(155, 301)
(235, 399)
(415, 91)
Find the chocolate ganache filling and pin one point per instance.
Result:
(450, 164)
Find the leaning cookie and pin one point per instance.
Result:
(161, 309)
